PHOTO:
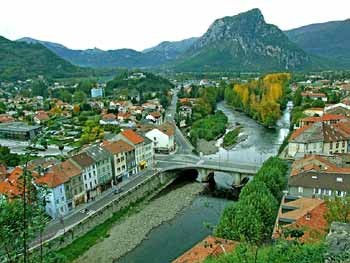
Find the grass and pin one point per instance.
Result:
(79, 246)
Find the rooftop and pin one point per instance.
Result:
(132, 136)
(210, 246)
(18, 126)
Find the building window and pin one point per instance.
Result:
(343, 143)
(337, 145)
(300, 189)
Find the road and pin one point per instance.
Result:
(183, 145)
(57, 227)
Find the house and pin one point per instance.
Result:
(123, 116)
(4, 118)
(163, 138)
(316, 176)
(18, 131)
(40, 117)
(311, 112)
(306, 214)
(89, 173)
(319, 138)
(339, 108)
(155, 117)
(109, 119)
(103, 161)
(326, 118)
(209, 247)
(56, 201)
(124, 162)
(314, 96)
(144, 152)
(12, 187)
(74, 187)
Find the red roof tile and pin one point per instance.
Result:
(118, 147)
(132, 136)
(210, 246)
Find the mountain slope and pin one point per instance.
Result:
(22, 60)
(172, 49)
(330, 39)
(244, 42)
(128, 58)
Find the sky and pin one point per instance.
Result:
(140, 24)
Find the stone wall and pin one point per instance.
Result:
(151, 186)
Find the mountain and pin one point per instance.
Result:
(172, 50)
(128, 58)
(331, 40)
(244, 42)
(20, 60)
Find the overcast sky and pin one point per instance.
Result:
(139, 24)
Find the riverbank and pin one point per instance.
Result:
(128, 233)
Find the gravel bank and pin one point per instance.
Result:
(127, 234)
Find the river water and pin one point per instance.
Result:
(173, 238)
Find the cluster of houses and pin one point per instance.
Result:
(320, 150)
(93, 170)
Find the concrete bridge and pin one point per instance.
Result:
(206, 167)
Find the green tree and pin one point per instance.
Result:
(91, 132)
(338, 209)
(79, 97)
(297, 97)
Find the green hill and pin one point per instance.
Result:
(19, 60)
(330, 40)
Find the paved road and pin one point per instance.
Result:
(56, 227)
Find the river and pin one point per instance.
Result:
(173, 238)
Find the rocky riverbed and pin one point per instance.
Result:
(128, 233)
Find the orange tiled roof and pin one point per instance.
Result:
(6, 118)
(52, 180)
(132, 136)
(118, 147)
(42, 115)
(156, 114)
(210, 246)
(311, 94)
(167, 128)
(308, 214)
(299, 131)
(109, 116)
(66, 169)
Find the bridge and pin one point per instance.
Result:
(206, 167)
(184, 159)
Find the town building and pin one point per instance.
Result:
(74, 187)
(319, 138)
(318, 176)
(56, 201)
(103, 161)
(163, 138)
(18, 131)
(209, 247)
(89, 173)
(314, 96)
(124, 162)
(144, 152)
(305, 214)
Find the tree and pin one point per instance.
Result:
(39, 88)
(79, 97)
(21, 219)
(2, 107)
(252, 218)
(297, 97)
(338, 209)
(91, 132)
